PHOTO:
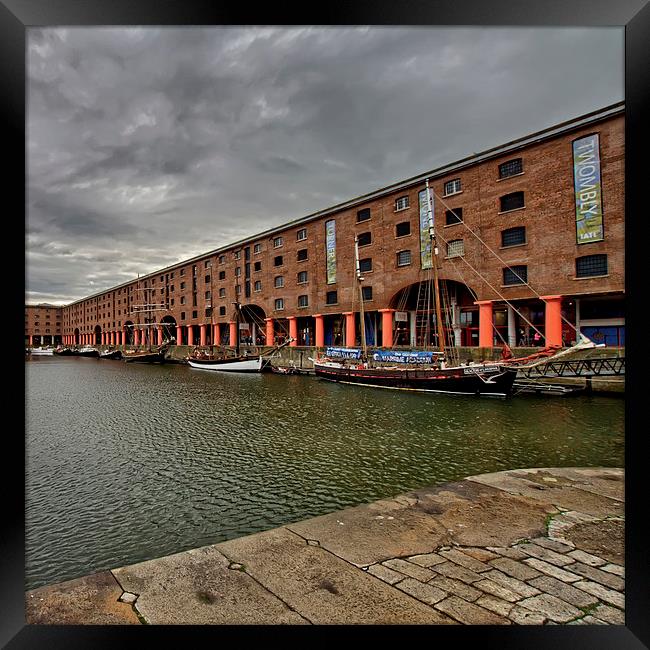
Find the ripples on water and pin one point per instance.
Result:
(129, 462)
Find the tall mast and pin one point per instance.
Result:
(359, 281)
(434, 264)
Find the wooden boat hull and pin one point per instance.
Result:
(236, 364)
(145, 357)
(114, 354)
(41, 352)
(471, 380)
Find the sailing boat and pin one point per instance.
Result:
(425, 371)
(239, 363)
(153, 354)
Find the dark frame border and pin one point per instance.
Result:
(17, 15)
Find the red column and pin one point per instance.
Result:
(103, 338)
(160, 335)
(320, 330)
(216, 335)
(485, 329)
(350, 328)
(386, 327)
(190, 335)
(233, 334)
(293, 330)
(31, 340)
(203, 336)
(270, 331)
(179, 335)
(553, 320)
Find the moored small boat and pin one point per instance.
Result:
(232, 364)
(42, 351)
(110, 354)
(87, 351)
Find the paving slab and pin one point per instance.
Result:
(197, 588)
(91, 600)
(322, 587)
(562, 489)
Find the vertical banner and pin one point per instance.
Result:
(586, 178)
(330, 250)
(425, 241)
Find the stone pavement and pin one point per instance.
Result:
(522, 547)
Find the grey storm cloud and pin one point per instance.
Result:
(147, 146)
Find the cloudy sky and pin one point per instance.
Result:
(148, 146)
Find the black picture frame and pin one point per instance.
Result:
(634, 15)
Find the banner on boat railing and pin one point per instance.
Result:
(425, 240)
(586, 178)
(401, 316)
(403, 356)
(330, 250)
(343, 353)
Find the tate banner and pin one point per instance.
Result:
(425, 240)
(399, 356)
(330, 250)
(586, 178)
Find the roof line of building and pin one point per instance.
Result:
(494, 152)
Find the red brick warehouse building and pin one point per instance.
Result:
(549, 211)
(43, 324)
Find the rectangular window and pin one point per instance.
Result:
(515, 275)
(303, 301)
(279, 304)
(222, 311)
(364, 239)
(182, 315)
(302, 254)
(207, 279)
(277, 242)
(257, 266)
(182, 300)
(222, 259)
(366, 293)
(258, 285)
(257, 248)
(222, 293)
(302, 277)
(402, 203)
(513, 236)
(403, 229)
(222, 275)
(453, 216)
(591, 265)
(207, 265)
(404, 258)
(238, 289)
(456, 248)
(365, 265)
(195, 314)
(511, 168)
(452, 187)
(277, 261)
(182, 285)
(363, 215)
(301, 234)
(207, 295)
(331, 298)
(278, 282)
(208, 311)
(512, 201)
(237, 271)
(182, 273)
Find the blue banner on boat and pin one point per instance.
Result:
(344, 353)
(403, 356)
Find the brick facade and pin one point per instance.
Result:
(549, 250)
